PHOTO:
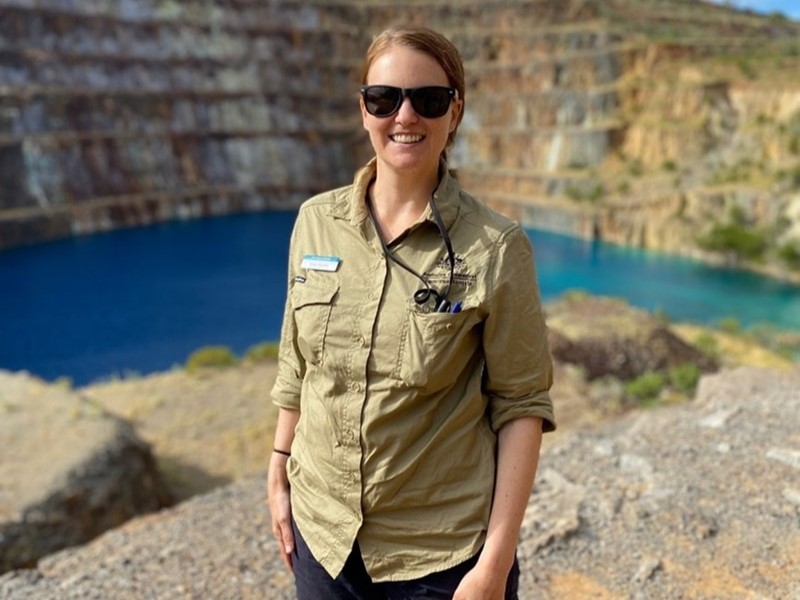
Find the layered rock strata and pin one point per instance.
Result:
(642, 123)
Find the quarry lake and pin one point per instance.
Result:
(141, 300)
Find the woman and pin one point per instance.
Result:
(414, 369)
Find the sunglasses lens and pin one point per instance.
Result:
(382, 100)
(431, 102)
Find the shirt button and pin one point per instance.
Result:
(355, 387)
(362, 340)
(449, 326)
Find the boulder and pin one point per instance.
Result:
(697, 500)
(68, 471)
(606, 336)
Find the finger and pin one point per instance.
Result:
(286, 536)
(287, 560)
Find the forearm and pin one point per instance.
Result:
(284, 436)
(284, 428)
(518, 447)
(278, 483)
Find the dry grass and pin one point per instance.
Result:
(734, 350)
(205, 429)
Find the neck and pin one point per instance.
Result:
(397, 189)
(399, 199)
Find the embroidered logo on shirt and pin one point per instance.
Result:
(441, 272)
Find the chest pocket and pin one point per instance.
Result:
(436, 347)
(312, 302)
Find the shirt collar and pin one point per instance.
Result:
(352, 204)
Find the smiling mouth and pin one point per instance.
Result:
(407, 138)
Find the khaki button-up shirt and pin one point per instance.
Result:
(399, 406)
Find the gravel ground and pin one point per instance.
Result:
(699, 500)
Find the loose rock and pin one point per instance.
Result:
(68, 471)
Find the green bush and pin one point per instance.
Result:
(790, 254)
(778, 18)
(578, 194)
(64, 382)
(707, 344)
(685, 377)
(662, 315)
(795, 177)
(262, 352)
(575, 295)
(763, 119)
(746, 68)
(646, 387)
(794, 144)
(210, 356)
(737, 239)
(596, 193)
(729, 325)
(636, 168)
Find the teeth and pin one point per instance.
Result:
(406, 138)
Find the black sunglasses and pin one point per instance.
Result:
(429, 102)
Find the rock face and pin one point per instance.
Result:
(618, 120)
(68, 471)
(696, 501)
(607, 337)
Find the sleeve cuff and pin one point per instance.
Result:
(504, 410)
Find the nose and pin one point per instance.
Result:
(406, 112)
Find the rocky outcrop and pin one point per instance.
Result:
(215, 546)
(68, 471)
(694, 500)
(605, 336)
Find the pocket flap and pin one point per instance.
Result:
(319, 290)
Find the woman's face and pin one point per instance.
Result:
(405, 141)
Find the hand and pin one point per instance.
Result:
(481, 584)
(280, 507)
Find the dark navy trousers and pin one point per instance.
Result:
(313, 582)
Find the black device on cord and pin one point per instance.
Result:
(423, 295)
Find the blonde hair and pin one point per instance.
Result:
(429, 42)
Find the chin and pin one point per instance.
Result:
(407, 161)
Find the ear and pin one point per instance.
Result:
(364, 114)
(457, 108)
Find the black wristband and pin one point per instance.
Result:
(284, 452)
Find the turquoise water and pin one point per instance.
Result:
(684, 289)
(142, 300)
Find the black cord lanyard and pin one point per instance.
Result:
(422, 295)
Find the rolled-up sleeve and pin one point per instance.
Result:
(291, 366)
(519, 369)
